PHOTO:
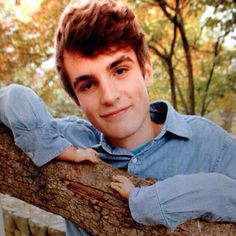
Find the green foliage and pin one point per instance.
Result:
(26, 47)
(211, 56)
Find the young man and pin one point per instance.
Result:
(102, 60)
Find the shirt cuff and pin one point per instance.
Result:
(145, 206)
(42, 144)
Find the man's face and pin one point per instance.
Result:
(111, 90)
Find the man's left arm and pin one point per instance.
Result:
(210, 196)
(171, 202)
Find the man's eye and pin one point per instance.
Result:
(121, 70)
(87, 86)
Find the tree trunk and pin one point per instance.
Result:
(82, 194)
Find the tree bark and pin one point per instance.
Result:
(81, 193)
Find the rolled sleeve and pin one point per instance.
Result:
(145, 206)
(209, 196)
(42, 144)
(35, 130)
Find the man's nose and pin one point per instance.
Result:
(109, 92)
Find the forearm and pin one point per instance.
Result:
(34, 129)
(177, 199)
(78, 155)
(68, 155)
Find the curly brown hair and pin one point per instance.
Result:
(91, 27)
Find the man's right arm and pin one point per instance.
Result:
(35, 131)
(77, 155)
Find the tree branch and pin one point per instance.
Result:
(82, 194)
(178, 21)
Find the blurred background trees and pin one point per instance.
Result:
(192, 45)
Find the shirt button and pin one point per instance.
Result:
(134, 160)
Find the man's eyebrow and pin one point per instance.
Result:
(119, 60)
(81, 78)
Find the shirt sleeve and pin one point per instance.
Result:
(226, 162)
(210, 196)
(35, 130)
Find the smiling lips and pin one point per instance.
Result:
(116, 113)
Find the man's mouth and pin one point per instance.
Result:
(116, 113)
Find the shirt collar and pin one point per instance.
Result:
(161, 112)
(104, 144)
(173, 122)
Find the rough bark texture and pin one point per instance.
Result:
(82, 194)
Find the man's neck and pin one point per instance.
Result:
(144, 135)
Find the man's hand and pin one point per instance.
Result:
(78, 155)
(87, 155)
(122, 185)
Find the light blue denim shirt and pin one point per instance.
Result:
(193, 159)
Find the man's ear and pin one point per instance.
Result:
(148, 73)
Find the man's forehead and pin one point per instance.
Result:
(79, 66)
(111, 51)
